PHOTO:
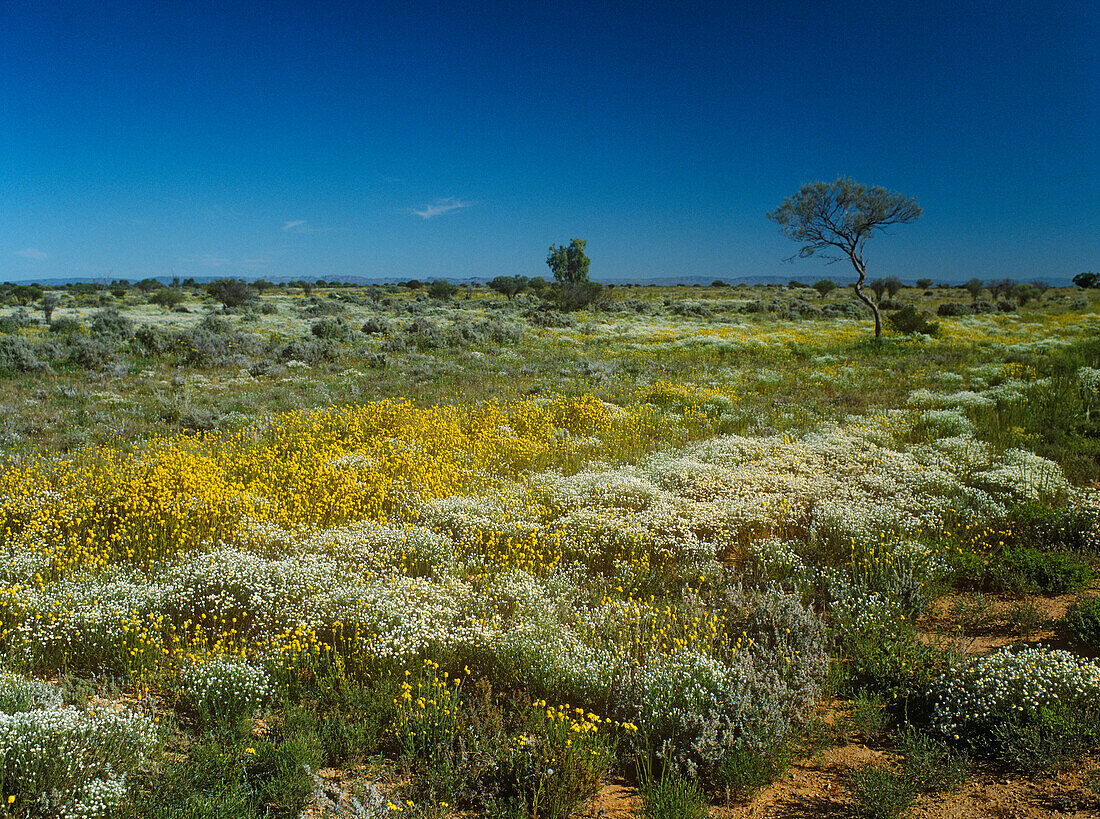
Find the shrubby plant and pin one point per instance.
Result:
(224, 691)
(63, 761)
(1020, 706)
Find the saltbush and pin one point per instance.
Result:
(111, 325)
(17, 355)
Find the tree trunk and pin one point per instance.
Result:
(862, 271)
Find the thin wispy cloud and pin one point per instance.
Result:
(303, 226)
(32, 253)
(439, 207)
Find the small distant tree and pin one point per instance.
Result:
(509, 286)
(1025, 293)
(49, 302)
(230, 292)
(841, 217)
(1087, 280)
(824, 287)
(1002, 289)
(974, 287)
(924, 284)
(442, 289)
(538, 284)
(717, 283)
(569, 264)
(148, 285)
(893, 286)
(261, 285)
(878, 287)
(167, 297)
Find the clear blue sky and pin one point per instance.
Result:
(421, 139)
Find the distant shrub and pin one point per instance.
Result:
(691, 309)
(65, 325)
(890, 304)
(230, 292)
(442, 289)
(111, 325)
(909, 320)
(14, 322)
(954, 308)
(156, 340)
(332, 329)
(844, 309)
(269, 309)
(321, 308)
(90, 353)
(310, 351)
(1006, 306)
(571, 296)
(545, 317)
(166, 297)
(378, 326)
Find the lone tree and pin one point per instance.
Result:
(841, 217)
(569, 264)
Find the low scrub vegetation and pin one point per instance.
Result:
(484, 549)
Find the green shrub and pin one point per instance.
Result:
(331, 328)
(867, 714)
(1082, 621)
(1049, 738)
(879, 793)
(1018, 570)
(930, 763)
(672, 796)
(909, 320)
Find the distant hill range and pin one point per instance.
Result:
(660, 281)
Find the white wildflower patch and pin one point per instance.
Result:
(68, 762)
(1007, 685)
(225, 689)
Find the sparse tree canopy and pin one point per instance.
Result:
(569, 264)
(824, 287)
(509, 285)
(893, 286)
(924, 284)
(1087, 280)
(230, 292)
(836, 220)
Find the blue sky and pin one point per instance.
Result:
(428, 139)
